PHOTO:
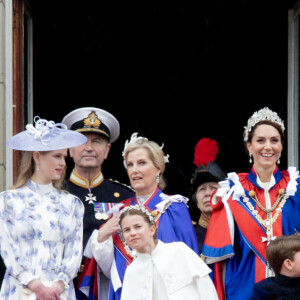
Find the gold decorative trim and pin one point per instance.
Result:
(203, 221)
(269, 221)
(83, 182)
(88, 129)
(92, 120)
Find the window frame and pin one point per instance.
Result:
(293, 85)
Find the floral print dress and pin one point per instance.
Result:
(40, 237)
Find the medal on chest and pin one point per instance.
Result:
(90, 197)
(100, 211)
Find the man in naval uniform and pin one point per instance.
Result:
(86, 180)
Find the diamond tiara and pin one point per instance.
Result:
(136, 207)
(135, 138)
(262, 115)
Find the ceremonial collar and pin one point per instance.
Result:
(160, 201)
(84, 183)
(149, 203)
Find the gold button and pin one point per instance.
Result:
(154, 213)
(251, 193)
(116, 194)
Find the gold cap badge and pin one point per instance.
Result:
(92, 120)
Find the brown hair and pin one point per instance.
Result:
(27, 168)
(264, 122)
(282, 248)
(134, 212)
(155, 154)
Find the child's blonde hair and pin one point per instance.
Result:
(134, 210)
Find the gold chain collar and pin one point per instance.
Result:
(267, 210)
(269, 221)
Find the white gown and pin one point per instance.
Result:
(40, 237)
(172, 271)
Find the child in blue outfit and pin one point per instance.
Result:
(283, 255)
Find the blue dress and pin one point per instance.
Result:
(40, 237)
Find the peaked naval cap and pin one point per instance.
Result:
(92, 119)
(45, 136)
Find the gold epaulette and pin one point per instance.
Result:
(123, 184)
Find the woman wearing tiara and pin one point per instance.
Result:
(251, 209)
(40, 224)
(145, 164)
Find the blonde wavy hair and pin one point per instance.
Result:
(27, 168)
(156, 155)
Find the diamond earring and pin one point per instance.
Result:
(157, 178)
(250, 157)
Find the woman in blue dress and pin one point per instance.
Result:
(145, 164)
(40, 224)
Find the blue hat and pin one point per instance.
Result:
(92, 119)
(45, 136)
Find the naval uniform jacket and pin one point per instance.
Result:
(103, 190)
(103, 193)
(235, 231)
